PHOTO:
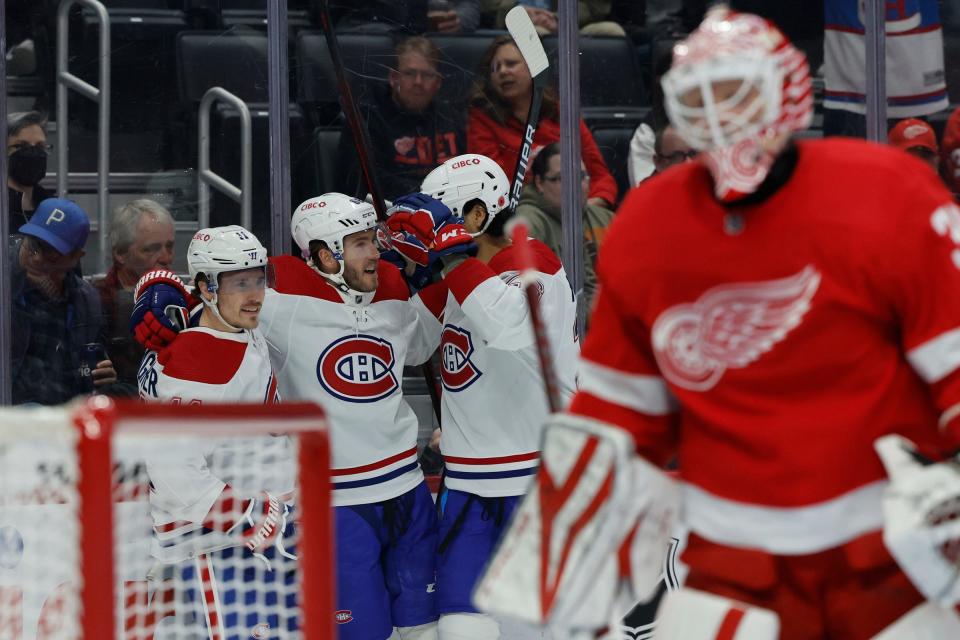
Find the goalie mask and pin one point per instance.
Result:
(469, 177)
(736, 90)
(223, 249)
(330, 218)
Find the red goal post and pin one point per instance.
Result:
(76, 532)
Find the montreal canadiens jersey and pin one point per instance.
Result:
(768, 347)
(493, 403)
(914, 57)
(188, 475)
(349, 358)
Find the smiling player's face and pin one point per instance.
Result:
(360, 259)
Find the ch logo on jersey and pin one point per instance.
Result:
(358, 368)
(458, 371)
(729, 327)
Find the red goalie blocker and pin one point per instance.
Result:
(81, 498)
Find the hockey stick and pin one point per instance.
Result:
(362, 146)
(528, 280)
(525, 36)
(352, 113)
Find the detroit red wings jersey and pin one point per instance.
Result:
(493, 404)
(349, 358)
(768, 347)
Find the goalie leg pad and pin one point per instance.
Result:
(562, 560)
(689, 614)
(925, 622)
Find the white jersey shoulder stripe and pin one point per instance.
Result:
(646, 394)
(935, 359)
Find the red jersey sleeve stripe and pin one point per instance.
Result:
(646, 394)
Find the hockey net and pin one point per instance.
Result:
(154, 522)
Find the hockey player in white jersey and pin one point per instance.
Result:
(217, 505)
(493, 403)
(341, 328)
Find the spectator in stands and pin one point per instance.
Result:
(917, 138)
(411, 130)
(670, 149)
(950, 153)
(593, 17)
(498, 110)
(55, 313)
(652, 152)
(540, 207)
(453, 16)
(141, 239)
(27, 152)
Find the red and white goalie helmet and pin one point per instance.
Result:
(468, 177)
(737, 84)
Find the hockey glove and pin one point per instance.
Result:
(160, 310)
(596, 523)
(921, 513)
(421, 215)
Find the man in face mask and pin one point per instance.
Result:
(27, 152)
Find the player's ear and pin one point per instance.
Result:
(204, 289)
(328, 263)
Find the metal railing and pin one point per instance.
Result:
(100, 95)
(207, 178)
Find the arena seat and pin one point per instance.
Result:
(610, 74)
(460, 56)
(366, 56)
(614, 143)
(142, 39)
(237, 61)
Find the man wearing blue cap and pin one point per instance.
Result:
(55, 313)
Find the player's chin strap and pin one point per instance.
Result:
(212, 305)
(350, 296)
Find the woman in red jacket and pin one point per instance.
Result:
(498, 110)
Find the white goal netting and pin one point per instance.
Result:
(210, 528)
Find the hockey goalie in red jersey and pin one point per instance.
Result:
(782, 320)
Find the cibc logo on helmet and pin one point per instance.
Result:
(465, 163)
(313, 205)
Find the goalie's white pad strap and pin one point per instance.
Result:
(688, 614)
(924, 622)
(559, 561)
(919, 509)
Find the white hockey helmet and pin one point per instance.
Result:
(220, 250)
(330, 218)
(464, 178)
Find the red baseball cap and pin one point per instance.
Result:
(911, 133)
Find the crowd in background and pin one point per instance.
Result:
(59, 313)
